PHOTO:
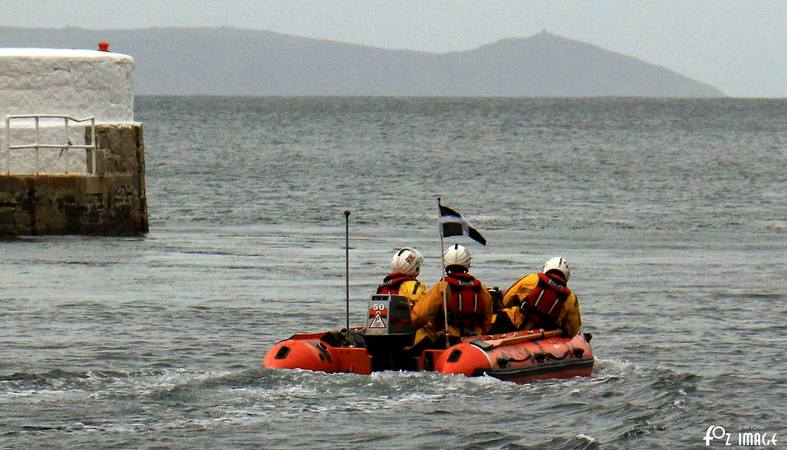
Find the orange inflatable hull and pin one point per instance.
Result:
(520, 356)
(315, 352)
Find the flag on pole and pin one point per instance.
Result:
(453, 224)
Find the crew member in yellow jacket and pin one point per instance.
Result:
(467, 301)
(406, 266)
(542, 300)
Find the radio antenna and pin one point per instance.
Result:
(347, 269)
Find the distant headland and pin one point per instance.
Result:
(230, 61)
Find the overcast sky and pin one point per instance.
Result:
(737, 46)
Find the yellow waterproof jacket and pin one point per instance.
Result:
(568, 319)
(430, 308)
(413, 290)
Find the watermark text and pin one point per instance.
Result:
(752, 436)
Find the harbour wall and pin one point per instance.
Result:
(109, 200)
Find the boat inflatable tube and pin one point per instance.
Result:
(383, 344)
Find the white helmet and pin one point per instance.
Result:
(559, 264)
(456, 255)
(407, 261)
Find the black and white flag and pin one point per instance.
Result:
(453, 224)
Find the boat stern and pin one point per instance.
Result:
(463, 358)
(311, 352)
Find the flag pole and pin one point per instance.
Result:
(440, 232)
(442, 264)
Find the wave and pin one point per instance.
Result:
(61, 374)
(628, 403)
(756, 294)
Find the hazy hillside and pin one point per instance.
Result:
(229, 61)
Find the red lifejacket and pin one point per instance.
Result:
(543, 304)
(393, 281)
(465, 309)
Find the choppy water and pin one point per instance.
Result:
(672, 211)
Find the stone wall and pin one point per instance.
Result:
(112, 202)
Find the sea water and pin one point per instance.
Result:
(673, 214)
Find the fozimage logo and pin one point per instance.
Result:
(753, 436)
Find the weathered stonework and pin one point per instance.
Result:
(111, 202)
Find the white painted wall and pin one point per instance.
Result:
(73, 82)
(77, 83)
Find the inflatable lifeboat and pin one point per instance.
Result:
(520, 356)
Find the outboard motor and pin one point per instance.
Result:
(388, 331)
(389, 315)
